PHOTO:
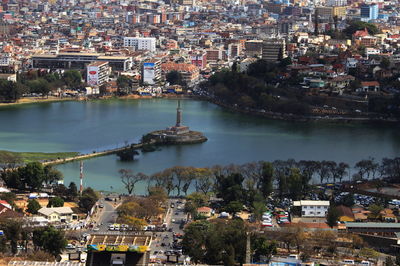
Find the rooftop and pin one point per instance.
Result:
(311, 203)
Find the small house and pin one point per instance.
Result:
(58, 214)
(204, 211)
(367, 86)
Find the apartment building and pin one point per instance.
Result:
(141, 43)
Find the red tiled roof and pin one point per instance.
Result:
(370, 83)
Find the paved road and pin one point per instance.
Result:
(108, 215)
(163, 242)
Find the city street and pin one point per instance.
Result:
(163, 243)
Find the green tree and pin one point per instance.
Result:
(123, 84)
(198, 199)
(51, 175)
(11, 91)
(220, 242)
(258, 209)
(12, 232)
(347, 200)
(72, 78)
(194, 240)
(33, 206)
(332, 216)
(55, 202)
(33, 175)
(230, 188)
(9, 197)
(261, 246)
(72, 191)
(355, 25)
(40, 86)
(174, 78)
(158, 194)
(12, 179)
(267, 179)
(88, 199)
(234, 207)
(294, 183)
(385, 62)
(50, 240)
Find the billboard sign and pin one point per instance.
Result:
(93, 75)
(148, 73)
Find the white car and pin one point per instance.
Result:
(266, 223)
(69, 246)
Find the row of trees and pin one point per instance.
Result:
(31, 176)
(47, 239)
(280, 174)
(36, 82)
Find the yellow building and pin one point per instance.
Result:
(339, 11)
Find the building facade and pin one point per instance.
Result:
(137, 43)
(97, 73)
(369, 12)
(312, 208)
(274, 49)
(151, 72)
(79, 61)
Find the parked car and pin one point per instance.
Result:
(70, 246)
(266, 223)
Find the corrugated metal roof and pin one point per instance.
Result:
(46, 263)
(372, 225)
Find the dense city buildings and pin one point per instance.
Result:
(327, 61)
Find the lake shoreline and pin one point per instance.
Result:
(300, 118)
(268, 115)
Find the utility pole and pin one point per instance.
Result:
(81, 178)
(248, 249)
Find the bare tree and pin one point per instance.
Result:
(129, 179)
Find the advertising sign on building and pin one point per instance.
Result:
(93, 75)
(148, 73)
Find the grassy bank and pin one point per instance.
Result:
(27, 157)
(30, 100)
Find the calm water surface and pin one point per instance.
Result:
(233, 138)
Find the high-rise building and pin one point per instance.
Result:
(97, 73)
(253, 47)
(151, 71)
(274, 49)
(369, 12)
(140, 43)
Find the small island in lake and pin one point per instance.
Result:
(178, 134)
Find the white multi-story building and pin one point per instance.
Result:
(337, 3)
(151, 71)
(5, 60)
(141, 43)
(312, 208)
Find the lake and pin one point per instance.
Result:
(232, 137)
